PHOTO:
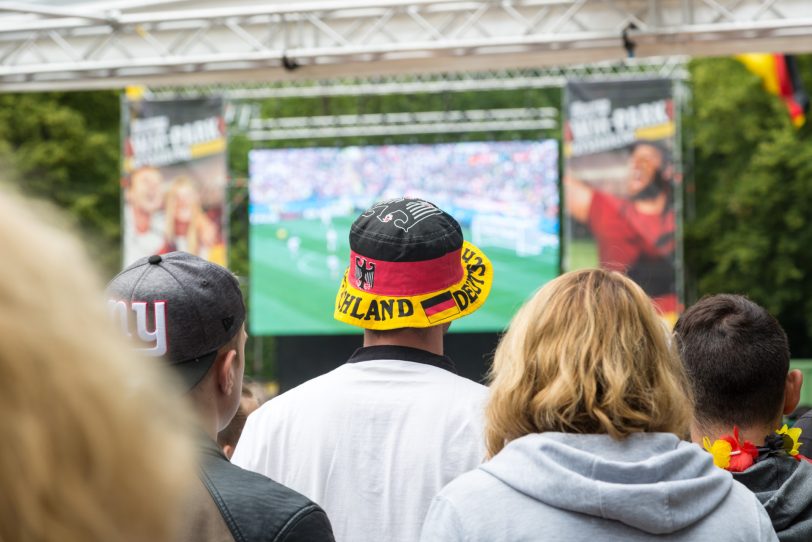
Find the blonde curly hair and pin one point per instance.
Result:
(94, 448)
(586, 354)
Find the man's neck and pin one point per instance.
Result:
(755, 434)
(207, 415)
(431, 342)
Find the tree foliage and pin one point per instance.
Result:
(751, 231)
(64, 147)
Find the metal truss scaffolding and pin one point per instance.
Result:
(243, 113)
(387, 124)
(182, 42)
(504, 79)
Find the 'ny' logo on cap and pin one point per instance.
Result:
(120, 314)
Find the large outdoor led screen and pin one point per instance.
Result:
(303, 201)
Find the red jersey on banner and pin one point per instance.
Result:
(639, 244)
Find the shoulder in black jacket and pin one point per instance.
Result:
(257, 509)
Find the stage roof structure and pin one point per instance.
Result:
(55, 45)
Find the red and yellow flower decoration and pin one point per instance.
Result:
(731, 453)
(736, 455)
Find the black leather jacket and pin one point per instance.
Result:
(257, 509)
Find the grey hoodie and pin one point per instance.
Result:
(557, 486)
(784, 487)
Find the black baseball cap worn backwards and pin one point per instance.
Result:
(410, 267)
(179, 307)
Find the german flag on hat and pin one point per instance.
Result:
(410, 267)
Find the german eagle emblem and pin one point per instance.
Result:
(364, 273)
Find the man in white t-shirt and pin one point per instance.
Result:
(374, 440)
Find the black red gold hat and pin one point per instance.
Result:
(410, 267)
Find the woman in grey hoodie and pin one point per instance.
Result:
(587, 397)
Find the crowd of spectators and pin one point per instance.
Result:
(518, 179)
(598, 423)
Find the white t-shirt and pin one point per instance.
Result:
(372, 442)
(140, 244)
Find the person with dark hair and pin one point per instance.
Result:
(375, 439)
(191, 313)
(737, 359)
(635, 234)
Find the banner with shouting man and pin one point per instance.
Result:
(620, 184)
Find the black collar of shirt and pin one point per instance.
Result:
(405, 353)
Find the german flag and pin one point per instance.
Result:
(440, 307)
(781, 77)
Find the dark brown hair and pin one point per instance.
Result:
(737, 358)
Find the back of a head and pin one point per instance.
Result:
(92, 451)
(193, 307)
(737, 359)
(586, 354)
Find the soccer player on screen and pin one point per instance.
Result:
(635, 233)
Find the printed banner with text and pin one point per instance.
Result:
(174, 178)
(620, 183)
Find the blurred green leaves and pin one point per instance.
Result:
(64, 147)
(753, 191)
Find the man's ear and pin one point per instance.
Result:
(792, 390)
(225, 372)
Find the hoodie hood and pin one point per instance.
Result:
(784, 486)
(650, 481)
